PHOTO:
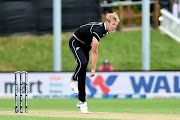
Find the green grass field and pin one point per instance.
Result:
(7, 117)
(123, 49)
(145, 106)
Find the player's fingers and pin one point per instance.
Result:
(91, 75)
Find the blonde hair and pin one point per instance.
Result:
(112, 16)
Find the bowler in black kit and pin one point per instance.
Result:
(84, 39)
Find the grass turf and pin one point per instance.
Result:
(157, 106)
(14, 117)
(123, 49)
(167, 106)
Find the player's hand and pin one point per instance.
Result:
(92, 73)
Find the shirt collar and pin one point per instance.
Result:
(107, 32)
(105, 25)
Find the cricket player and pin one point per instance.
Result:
(80, 46)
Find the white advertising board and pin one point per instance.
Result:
(57, 85)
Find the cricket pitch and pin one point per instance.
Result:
(97, 115)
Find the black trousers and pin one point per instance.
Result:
(81, 54)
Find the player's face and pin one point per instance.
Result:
(111, 25)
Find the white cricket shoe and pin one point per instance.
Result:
(83, 107)
(74, 86)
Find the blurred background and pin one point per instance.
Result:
(26, 44)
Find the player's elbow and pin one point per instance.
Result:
(95, 51)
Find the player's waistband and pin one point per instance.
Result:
(79, 39)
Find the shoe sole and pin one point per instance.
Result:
(82, 111)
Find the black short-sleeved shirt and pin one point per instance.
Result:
(86, 32)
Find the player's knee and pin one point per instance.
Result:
(84, 64)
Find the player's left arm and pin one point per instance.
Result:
(94, 55)
(97, 35)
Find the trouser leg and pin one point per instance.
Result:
(80, 55)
